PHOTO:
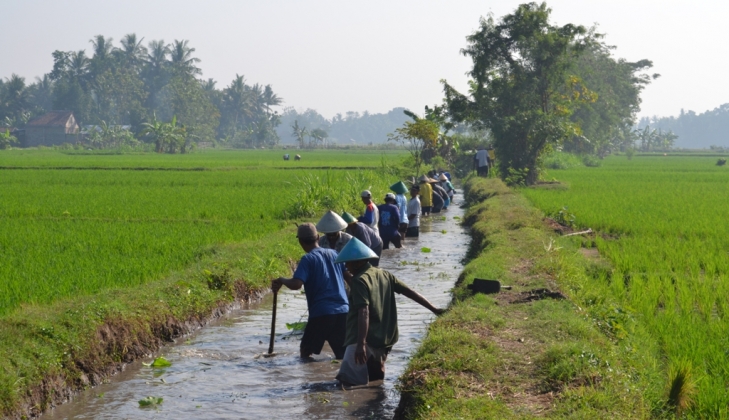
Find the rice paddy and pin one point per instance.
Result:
(662, 224)
(75, 224)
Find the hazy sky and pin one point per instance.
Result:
(338, 56)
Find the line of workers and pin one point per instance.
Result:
(351, 301)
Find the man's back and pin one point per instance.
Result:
(375, 288)
(323, 283)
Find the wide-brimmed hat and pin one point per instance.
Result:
(366, 193)
(330, 223)
(399, 187)
(355, 250)
(443, 177)
(348, 218)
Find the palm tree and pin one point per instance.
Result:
(157, 54)
(14, 101)
(181, 58)
(238, 101)
(270, 99)
(102, 54)
(78, 66)
(132, 52)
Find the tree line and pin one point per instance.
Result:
(707, 130)
(536, 87)
(140, 86)
(311, 129)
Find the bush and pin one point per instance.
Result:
(721, 162)
(560, 160)
(629, 152)
(591, 161)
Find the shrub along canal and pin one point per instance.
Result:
(215, 372)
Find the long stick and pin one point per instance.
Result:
(273, 323)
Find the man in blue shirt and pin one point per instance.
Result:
(326, 296)
(389, 222)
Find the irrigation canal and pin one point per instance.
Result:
(215, 373)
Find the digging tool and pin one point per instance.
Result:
(273, 326)
(487, 286)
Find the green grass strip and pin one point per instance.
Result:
(52, 350)
(514, 355)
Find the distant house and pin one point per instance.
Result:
(53, 128)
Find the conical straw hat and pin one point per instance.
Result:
(443, 177)
(331, 222)
(399, 187)
(424, 178)
(355, 250)
(348, 218)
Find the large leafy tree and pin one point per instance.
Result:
(15, 101)
(522, 88)
(606, 122)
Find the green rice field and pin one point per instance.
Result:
(663, 224)
(75, 224)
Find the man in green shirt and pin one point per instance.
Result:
(372, 318)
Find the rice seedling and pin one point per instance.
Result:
(661, 222)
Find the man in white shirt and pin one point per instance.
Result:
(414, 213)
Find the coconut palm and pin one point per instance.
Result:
(102, 55)
(132, 52)
(182, 60)
(238, 101)
(270, 99)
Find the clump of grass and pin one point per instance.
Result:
(682, 386)
(721, 162)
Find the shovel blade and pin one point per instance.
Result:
(485, 286)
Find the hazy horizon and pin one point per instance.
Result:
(374, 56)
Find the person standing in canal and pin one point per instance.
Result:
(332, 225)
(365, 234)
(372, 318)
(371, 216)
(426, 195)
(326, 296)
(389, 222)
(414, 213)
(400, 189)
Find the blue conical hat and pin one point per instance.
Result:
(355, 250)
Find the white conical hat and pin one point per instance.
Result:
(331, 222)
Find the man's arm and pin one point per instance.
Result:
(369, 215)
(363, 326)
(293, 284)
(417, 297)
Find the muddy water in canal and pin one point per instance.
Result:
(215, 372)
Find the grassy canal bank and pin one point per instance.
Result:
(554, 347)
(51, 351)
